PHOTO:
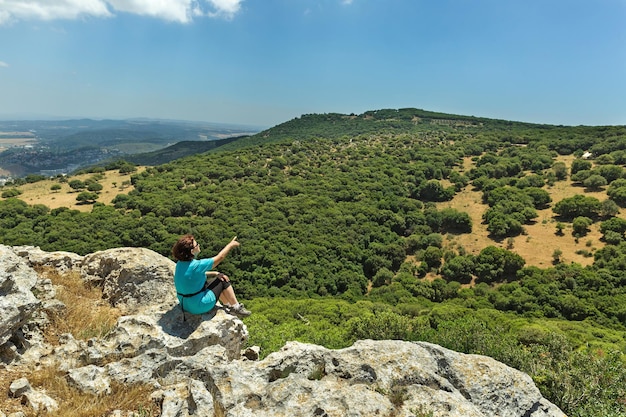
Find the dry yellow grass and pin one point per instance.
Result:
(540, 240)
(40, 192)
(86, 316)
(74, 403)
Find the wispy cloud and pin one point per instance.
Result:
(171, 10)
(225, 8)
(13, 10)
(346, 1)
(3, 64)
(181, 11)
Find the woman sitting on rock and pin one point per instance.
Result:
(196, 294)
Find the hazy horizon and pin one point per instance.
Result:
(264, 63)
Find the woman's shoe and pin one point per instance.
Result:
(239, 311)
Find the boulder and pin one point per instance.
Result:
(90, 379)
(375, 378)
(61, 261)
(36, 399)
(165, 331)
(19, 387)
(131, 278)
(17, 302)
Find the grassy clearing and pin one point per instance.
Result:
(40, 192)
(541, 239)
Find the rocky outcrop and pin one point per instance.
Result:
(197, 369)
(17, 302)
(61, 261)
(387, 378)
(131, 278)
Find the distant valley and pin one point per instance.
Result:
(50, 148)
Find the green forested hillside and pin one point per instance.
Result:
(178, 150)
(341, 238)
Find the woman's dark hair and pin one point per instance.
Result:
(183, 247)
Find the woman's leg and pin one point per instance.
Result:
(225, 293)
(228, 297)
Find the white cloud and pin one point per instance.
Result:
(182, 11)
(346, 1)
(225, 8)
(4, 17)
(50, 10)
(3, 64)
(172, 10)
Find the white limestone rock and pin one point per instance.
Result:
(90, 379)
(17, 302)
(131, 278)
(61, 261)
(375, 378)
(36, 399)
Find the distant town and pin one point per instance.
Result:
(20, 156)
(52, 148)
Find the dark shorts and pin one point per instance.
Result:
(217, 286)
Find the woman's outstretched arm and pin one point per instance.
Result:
(217, 259)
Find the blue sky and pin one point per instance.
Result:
(263, 62)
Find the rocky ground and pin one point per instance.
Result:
(199, 367)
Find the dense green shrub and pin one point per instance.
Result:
(578, 205)
(11, 192)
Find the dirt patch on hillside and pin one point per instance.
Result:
(540, 241)
(41, 192)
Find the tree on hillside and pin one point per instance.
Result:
(76, 184)
(581, 175)
(609, 172)
(94, 187)
(617, 191)
(433, 191)
(11, 192)
(432, 257)
(609, 208)
(579, 165)
(560, 171)
(495, 264)
(459, 268)
(541, 198)
(614, 227)
(580, 225)
(605, 159)
(578, 205)
(87, 197)
(127, 168)
(594, 182)
(532, 180)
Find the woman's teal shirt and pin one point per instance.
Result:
(189, 277)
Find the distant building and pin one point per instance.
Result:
(52, 172)
(587, 155)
